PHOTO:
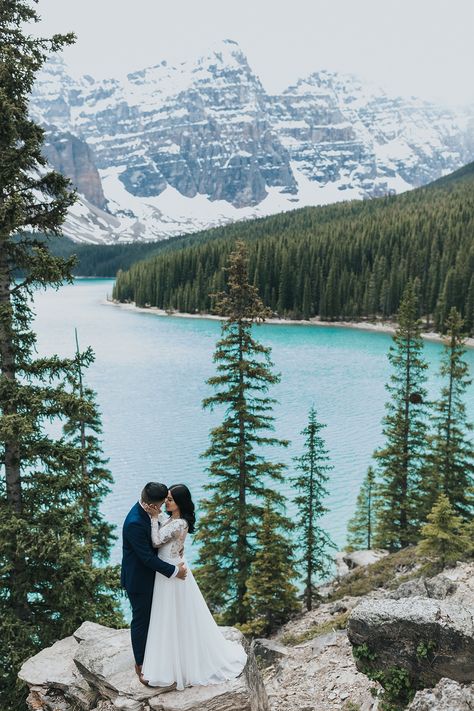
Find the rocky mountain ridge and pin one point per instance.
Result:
(177, 148)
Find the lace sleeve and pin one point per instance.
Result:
(170, 530)
(155, 529)
(156, 522)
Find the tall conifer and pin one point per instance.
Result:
(313, 541)
(401, 459)
(450, 457)
(240, 476)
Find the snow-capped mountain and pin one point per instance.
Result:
(174, 149)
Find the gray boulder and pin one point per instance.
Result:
(447, 695)
(356, 559)
(429, 638)
(438, 588)
(411, 588)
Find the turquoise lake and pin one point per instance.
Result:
(150, 377)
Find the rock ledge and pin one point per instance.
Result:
(93, 670)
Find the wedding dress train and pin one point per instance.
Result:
(184, 643)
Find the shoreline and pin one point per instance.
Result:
(378, 327)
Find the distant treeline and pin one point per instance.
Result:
(343, 261)
(101, 260)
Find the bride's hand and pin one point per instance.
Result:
(151, 510)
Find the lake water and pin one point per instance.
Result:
(150, 377)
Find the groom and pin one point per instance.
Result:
(140, 563)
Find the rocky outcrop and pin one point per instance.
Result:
(430, 639)
(200, 127)
(94, 670)
(447, 695)
(73, 158)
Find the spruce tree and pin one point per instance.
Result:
(271, 596)
(401, 459)
(47, 585)
(313, 541)
(445, 536)
(361, 525)
(451, 458)
(240, 477)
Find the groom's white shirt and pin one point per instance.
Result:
(176, 570)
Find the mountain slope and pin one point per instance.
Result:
(106, 260)
(178, 148)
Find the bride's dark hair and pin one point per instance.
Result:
(182, 498)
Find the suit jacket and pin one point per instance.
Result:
(139, 559)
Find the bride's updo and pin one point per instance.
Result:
(182, 498)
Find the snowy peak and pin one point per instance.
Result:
(225, 54)
(178, 147)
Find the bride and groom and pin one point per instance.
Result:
(176, 642)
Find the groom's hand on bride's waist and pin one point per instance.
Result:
(182, 571)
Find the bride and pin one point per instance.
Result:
(184, 644)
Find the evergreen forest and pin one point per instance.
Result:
(346, 261)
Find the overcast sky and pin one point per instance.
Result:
(411, 47)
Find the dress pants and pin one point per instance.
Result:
(141, 609)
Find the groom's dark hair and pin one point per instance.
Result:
(154, 492)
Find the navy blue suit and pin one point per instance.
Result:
(139, 565)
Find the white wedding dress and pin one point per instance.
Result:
(184, 643)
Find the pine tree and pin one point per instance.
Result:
(47, 586)
(401, 459)
(360, 526)
(451, 458)
(313, 541)
(271, 596)
(445, 535)
(239, 476)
